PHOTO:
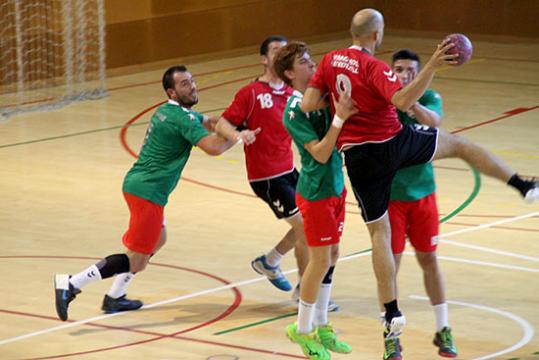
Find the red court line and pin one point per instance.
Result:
(505, 116)
(228, 311)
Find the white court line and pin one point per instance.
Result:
(482, 263)
(245, 282)
(493, 251)
(159, 303)
(488, 225)
(527, 328)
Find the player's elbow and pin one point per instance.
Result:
(213, 150)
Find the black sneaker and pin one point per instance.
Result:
(111, 305)
(64, 293)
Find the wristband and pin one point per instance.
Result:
(337, 121)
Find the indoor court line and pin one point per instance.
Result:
(527, 328)
(247, 282)
(492, 251)
(481, 263)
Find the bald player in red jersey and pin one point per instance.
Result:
(376, 145)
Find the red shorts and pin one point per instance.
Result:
(145, 224)
(323, 220)
(416, 219)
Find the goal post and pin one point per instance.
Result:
(52, 53)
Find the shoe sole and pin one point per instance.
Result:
(442, 354)
(61, 283)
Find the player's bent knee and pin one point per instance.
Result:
(427, 260)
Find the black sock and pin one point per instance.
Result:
(520, 184)
(392, 310)
(113, 265)
(329, 276)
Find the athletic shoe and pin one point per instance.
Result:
(332, 305)
(392, 349)
(309, 343)
(394, 328)
(273, 273)
(444, 341)
(328, 338)
(532, 195)
(64, 294)
(112, 305)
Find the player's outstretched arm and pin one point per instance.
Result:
(226, 129)
(210, 123)
(321, 150)
(408, 96)
(215, 144)
(229, 132)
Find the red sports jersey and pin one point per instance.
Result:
(371, 83)
(258, 105)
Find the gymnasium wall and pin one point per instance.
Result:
(143, 31)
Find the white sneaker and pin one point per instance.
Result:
(532, 195)
(394, 329)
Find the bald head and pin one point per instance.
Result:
(365, 22)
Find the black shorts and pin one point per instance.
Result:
(279, 193)
(371, 167)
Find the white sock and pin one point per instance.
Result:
(273, 257)
(305, 317)
(85, 277)
(440, 313)
(322, 302)
(120, 284)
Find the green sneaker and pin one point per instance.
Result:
(444, 341)
(309, 343)
(328, 338)
(393, 349)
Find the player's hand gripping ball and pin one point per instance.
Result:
(463, 47)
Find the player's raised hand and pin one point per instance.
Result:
(441, 57)
(345, 107)
(248, 137)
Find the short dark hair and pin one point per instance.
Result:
(265, 44)
(168, 76)
(405, 54)
(284, 59)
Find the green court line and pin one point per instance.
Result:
(257, 323)
(468, 201)
(473, 195)
(84, 132)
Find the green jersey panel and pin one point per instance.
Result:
(171, 134)
(416, 182)
(316, 181)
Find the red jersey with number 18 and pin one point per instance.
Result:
(371, 84)
(258, 105)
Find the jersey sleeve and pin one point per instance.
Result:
(241, 107)
(199, 117)
(384, 80)
(318, 79)
(432, 101)
(298, 125)
(191, 128)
